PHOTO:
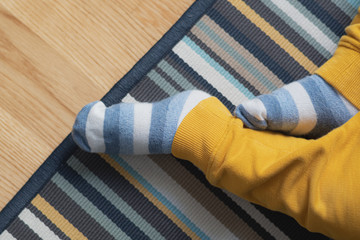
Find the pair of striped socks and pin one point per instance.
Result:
(309, 107)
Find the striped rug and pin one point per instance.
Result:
(234, 50)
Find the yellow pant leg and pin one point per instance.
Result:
(342, 71)
(315, 181)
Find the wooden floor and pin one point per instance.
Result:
(57, 56)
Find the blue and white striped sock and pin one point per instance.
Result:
(309, 107)
(133, 128)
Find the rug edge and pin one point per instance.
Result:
(24, 196)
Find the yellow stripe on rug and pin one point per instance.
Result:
(55, 217)
(150, 196)
(274, 35)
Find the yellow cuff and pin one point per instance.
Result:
(342, 71)
(208, 121)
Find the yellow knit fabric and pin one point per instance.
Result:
(342, 71)
(314, 181)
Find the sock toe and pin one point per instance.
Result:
(87, 130)
(79, 128)
(249, 119)
(253, 114)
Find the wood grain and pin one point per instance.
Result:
(56, 56)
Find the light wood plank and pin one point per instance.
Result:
(103, 38)
(56, 56)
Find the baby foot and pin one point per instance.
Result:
(308, 107)
(133, 128)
